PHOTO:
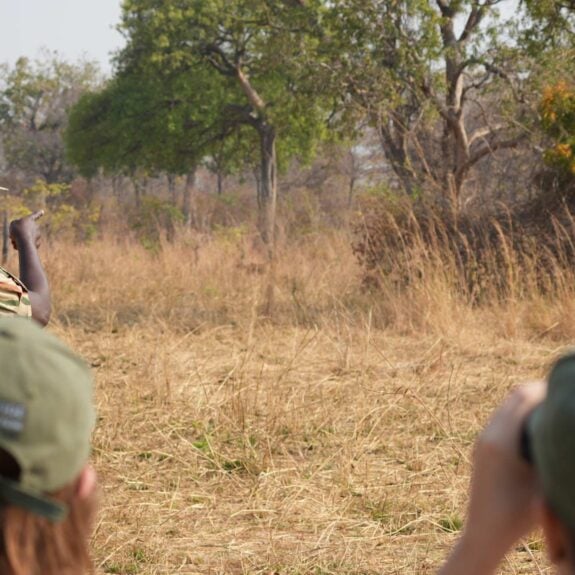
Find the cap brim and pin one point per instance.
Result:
(13, 493)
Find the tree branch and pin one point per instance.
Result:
(485, 131)
(253, 97)
(490, 148)
(473, 21)
(446, 10)
(218, 59)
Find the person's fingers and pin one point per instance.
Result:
(506, 422)
(37, 215)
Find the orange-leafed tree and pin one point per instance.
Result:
(557, 110)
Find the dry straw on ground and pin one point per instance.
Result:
(333, 439)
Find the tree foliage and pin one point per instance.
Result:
(551, 23)
(35, 98)
(229, 84)
(246, 77)
(436, 79)
(558, 119)
(136, 122)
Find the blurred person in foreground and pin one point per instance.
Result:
(47, 487)
(523, 477)
(29, 295)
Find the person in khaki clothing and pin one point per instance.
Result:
(47, 486)
(28, 295)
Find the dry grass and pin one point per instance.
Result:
(335, 439)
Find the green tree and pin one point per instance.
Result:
(558, 121)
(251, 54)
(436, 79)
(143, 124)
(35, 98)
(551, 23)
(548, 35)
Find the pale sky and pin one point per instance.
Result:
(74, 28)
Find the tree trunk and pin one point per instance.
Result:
(268, 187)
(394, 143)
(189, 200)
(137, 192)
(267, 192)
(258, 179)
(350, 192)
(220, 180)
(172, 189)
(90, 192)
(116, 186)
(140, 183)
(267, 202)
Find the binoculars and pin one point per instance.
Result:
(525, 448)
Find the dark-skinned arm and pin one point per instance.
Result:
(25, 237)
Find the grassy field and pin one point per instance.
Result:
(333, 438)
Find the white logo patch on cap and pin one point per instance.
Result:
(12, 417)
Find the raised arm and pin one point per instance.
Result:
(25, 237)
(504, 498)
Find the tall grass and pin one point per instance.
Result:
(423, 277)
(201, 281)
(330, 437)
(437, 270)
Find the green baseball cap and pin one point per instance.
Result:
(551, 429)
(46, 415)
